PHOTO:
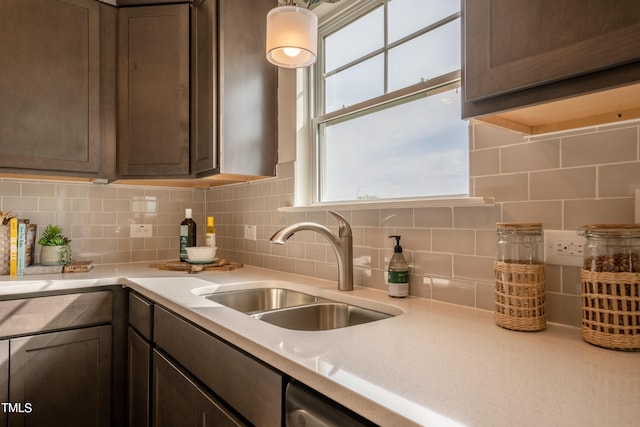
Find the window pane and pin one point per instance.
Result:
(419, 148)
(348, 87)
(427, 56)
(409, 16)
(354, 41)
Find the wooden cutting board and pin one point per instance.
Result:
(177, 265)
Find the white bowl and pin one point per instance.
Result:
(201, 254)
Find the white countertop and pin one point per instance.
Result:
(436, 364)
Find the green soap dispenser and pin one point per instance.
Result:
(398, 278)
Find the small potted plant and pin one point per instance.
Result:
(55, 246)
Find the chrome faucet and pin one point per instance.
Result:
(342, 245)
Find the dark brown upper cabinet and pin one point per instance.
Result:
(236, 127)
(153, 91)
(196, 95)
(95, 89)
(51, 79)
(520, 54)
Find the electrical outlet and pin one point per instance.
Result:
(562, 247)
(141, 230)
(569, 248)
(250, 232)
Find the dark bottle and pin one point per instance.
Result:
(187, 234)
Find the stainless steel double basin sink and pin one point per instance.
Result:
(295, 310)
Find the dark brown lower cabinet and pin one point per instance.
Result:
(61, 378)
(179, 402)
(139, 379)
(254, 390)
(4, 379)
(161, 393)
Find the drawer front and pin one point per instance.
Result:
(250, 387)
(141, 315)
(33, 315)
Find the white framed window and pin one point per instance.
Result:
(387, 103)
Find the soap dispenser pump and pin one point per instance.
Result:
(398, 277)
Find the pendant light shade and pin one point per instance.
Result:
(292, 37)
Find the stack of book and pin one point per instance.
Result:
(22, 241)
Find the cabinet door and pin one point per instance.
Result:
(4, 378)
(212, 414)
(204, 29)
(139, 380)
(153, 91)
(248, 121)
(64, 376)
(178, 402)
(246, 131)
(510, 46)
(50, 85)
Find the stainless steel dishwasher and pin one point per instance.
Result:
(307, 408)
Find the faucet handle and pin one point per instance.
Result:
(344, 229)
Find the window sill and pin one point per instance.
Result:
(394, 204)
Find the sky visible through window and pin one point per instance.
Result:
(417, 148)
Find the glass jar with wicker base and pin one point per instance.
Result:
(519, 278)
(611, 286)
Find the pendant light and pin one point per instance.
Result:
(292, 36)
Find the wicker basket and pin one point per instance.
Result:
(611, 309)
(5, 249)
(520, 296)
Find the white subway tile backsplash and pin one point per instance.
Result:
(602, 211)
(484, 162)
(38, 189)
(548, 213)
(486, 243)
(563, 308)
(417, 239)
(396, 218)
(574, 183)
(618, 180)
(454, 291)
(485, 296)
(477, 217)
(433, 217)
(473, 267)
(18, 204)
(504, 188)
(614, 146)
(9, 188)
(539, 155)
(72, 190)
(486, 136)
(454, 241)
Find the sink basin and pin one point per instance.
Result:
(321, 316)
(294, 309)
(257, 300)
